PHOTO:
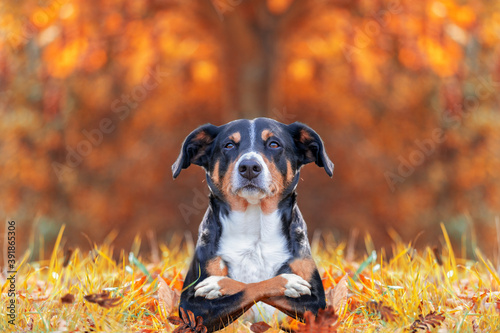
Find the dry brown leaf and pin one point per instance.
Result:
(425, 323)
(259, 327)
(326, 321)
(29, 326)
(386, 312)
(476, 329)
(103, 299)
(68, 298)
(337, 297)
(187, 323)
(167, 298)
(437, 255)
(91, 324)
(67, 256)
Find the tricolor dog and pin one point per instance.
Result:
(252, 245)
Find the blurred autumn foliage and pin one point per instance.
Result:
(96, 98)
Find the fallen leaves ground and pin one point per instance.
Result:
(404, 290)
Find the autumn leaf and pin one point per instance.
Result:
(68, 298)
(386, 312)
(337, 297)
(437, 255)
(29, 326)
(187, 323)
(259, 327)
(475, 327)
(325, 321)
(425, 323)
(103, 299)
(67, 256)
(167, 298)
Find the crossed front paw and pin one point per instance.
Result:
(209, 288)
(296, 286)
(214, 287)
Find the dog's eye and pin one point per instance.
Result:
(274, 144)
(229, 145)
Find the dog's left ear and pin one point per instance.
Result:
(310, 147)
(195, 148)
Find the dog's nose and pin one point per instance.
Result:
(249, 169)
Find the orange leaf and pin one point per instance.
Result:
(337, 297)
(167, 298)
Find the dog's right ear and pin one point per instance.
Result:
(195, 148)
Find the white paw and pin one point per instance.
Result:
(296, 286)
(209, 288)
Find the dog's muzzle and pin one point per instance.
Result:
(251, 177)
(250, 168)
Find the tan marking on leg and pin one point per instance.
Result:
(236, 137)
(303, 268)
(217, 267)
(271, 291)
(272, 287)
(254, 292)
(266, 134)
(230, 287)
(282, 304)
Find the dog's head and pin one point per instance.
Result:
(252, 161)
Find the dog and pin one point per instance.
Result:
(252, 245)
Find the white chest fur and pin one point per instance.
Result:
(253, 245)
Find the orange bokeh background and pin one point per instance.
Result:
(96, 98)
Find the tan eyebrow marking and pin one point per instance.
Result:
(266, 134)
(236, 137)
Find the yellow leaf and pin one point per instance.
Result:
(337, 297)
(167, 298)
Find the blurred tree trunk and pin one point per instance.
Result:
(251, 34)
(249, 54)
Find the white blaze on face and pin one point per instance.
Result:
(262, 181)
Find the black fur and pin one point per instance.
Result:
(205, 146)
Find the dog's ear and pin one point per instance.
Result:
(310, 147)
(195, 148)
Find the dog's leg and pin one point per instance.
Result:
(220, 299)
(296, 307)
